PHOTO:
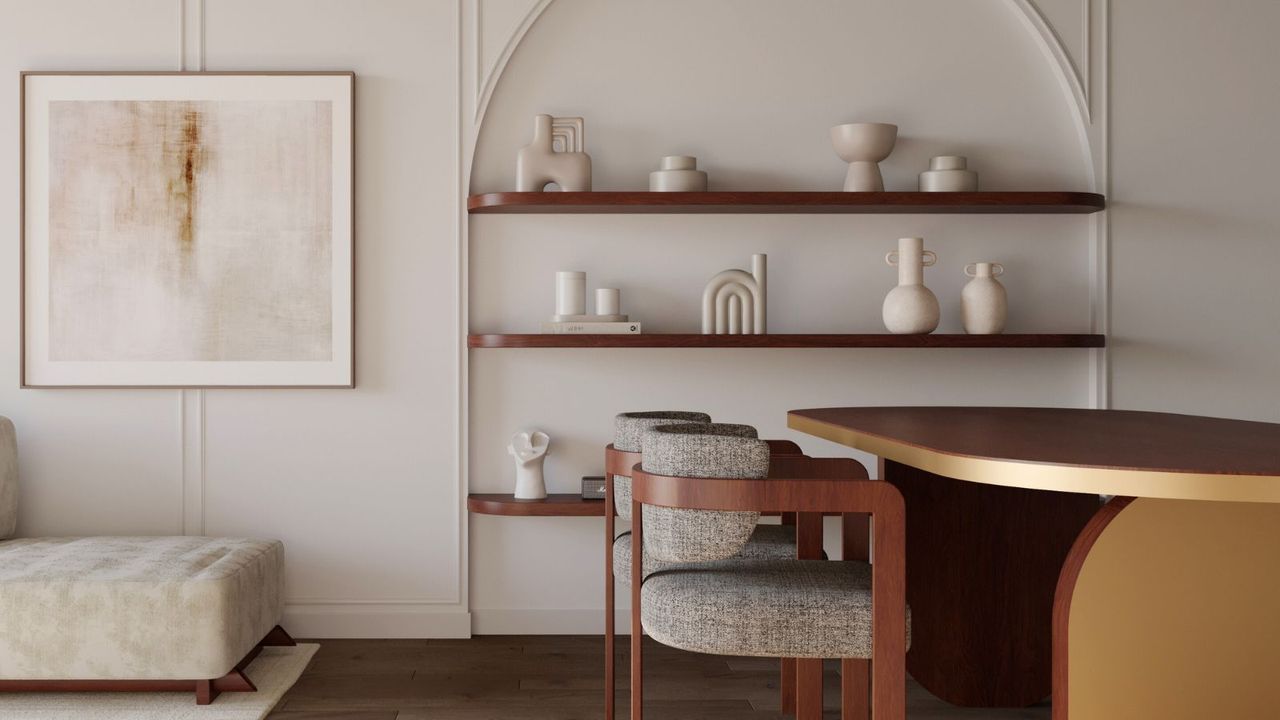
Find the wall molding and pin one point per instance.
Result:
(572, 621)
(376, 619)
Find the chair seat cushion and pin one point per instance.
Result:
(768, 542)
(764, 608)
(184, 608)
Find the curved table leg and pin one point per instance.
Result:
(982, 565)
(1168, 609)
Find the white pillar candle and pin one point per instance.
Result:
(571, 293)
(608, 301)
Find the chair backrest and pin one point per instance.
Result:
(8, 480)
(628, 433)
(716, 450)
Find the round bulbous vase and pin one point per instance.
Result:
(984, 304)
(911, 308)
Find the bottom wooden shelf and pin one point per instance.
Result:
(556, 505)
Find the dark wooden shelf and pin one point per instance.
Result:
(787, 202)
(872, 340)
(556, 505)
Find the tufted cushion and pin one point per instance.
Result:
(764, 608)
(135, 607)
(8, 480)
(628, 430)
(768, 542)
(713, 450)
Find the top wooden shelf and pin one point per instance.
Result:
(787, 202)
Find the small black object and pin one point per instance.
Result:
(593, 487)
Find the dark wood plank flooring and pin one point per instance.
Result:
(552, 677)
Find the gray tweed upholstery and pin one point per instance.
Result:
(763, 608)
(713, 450)
(628, 431)
(768, 542)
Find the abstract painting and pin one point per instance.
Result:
(188, 230)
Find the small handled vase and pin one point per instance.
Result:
(984, 304)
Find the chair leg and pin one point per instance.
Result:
(787, 685)
(855, 689)
(610, 672)
(637, 627)
(808, 689)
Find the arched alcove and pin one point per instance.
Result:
(751, 87)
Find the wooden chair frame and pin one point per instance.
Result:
(620, 462)
(809, 487)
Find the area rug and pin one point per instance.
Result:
(274, 671)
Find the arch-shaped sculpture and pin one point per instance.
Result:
(735, 301)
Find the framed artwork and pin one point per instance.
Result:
(187, 229)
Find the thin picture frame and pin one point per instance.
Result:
(342, 374)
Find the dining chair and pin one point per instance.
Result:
(695, 496)
(768, 541)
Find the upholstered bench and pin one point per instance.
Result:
(132, 613)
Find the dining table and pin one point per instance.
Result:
(1124, 563)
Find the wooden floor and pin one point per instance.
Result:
(550, 677)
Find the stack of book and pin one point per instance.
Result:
(590, 325)
(591, 328)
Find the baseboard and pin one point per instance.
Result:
(376, 620)
(545, 622)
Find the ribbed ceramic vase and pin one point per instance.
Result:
(911, 308)
(984, 304)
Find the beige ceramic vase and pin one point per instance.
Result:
(911, 308)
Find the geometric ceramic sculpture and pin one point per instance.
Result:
(911, 308)
(948, 173)
(863, 146)
(529, 450)
(734, 301)
(678, 173)
(984, 302)
(554, 156)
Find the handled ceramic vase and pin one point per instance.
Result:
(911, 308)
(984, 304)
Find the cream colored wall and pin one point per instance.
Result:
(1196, 224)
(361, 485)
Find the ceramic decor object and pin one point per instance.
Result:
(911, 308)
(678, 173)
(864, 146)
(984, 304)
(608, 301)
(571, 292)
(529, 449)
(734, 301)
(949, 173)
(556, 155)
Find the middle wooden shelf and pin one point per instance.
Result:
(861, 340)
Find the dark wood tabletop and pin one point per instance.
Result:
(1106, 451)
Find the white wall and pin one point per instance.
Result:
(361, 485)
(1195, 218)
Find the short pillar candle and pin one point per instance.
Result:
(571, 293)
(608, 301)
